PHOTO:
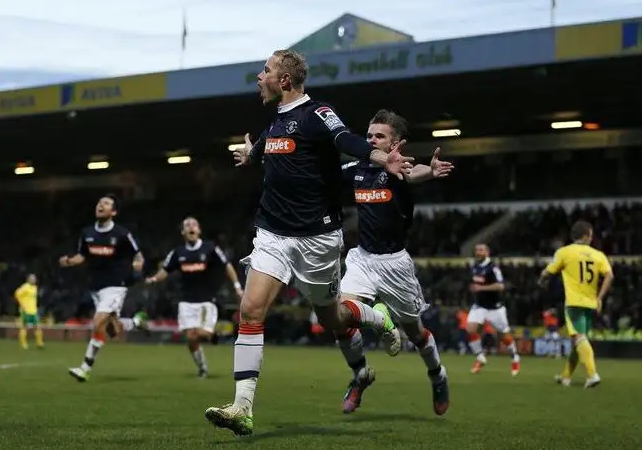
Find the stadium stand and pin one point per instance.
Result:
(540, 231)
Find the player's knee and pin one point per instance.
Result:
(473, 328)
(253, 308)
(333, 317)
(414, 331)
(204, 334)
(344, 310)
(101, 320)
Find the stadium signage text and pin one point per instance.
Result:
(89, 95)
(27, 101)
(16, 103)
(401, 60)
(101, 93)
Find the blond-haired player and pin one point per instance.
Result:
(27, 297)
(581, 266)
(298, 224)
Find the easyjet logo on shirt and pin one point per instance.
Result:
(279, 145)
(101, 250)
(194, 267)
(372, 195)
(479, 279)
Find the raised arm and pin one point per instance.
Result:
(326, 122)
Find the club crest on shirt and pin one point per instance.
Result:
(382, 180)
(112, 241)
(202, 256)
(291, 127)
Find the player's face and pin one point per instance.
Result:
(105, 208)
(31, 279)
(381, 136)
(481, 252)
(269, 81)
(191, 230)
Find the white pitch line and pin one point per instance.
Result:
(7, 366)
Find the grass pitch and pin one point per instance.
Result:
(148, 397)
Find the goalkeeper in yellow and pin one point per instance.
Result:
(27, 297)
(582, 267)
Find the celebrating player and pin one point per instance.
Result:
(112, 255)
(581, 266)
(380, 267)
(298, 224)
(202, 265)
(487, 286)
(27, 297)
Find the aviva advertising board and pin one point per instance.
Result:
(112, 92)
(84, 95)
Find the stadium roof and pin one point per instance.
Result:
(349, 32)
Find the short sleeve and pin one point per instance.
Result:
(131, 244)
(497, 272)
(220, 254)
(348, 171)
(81, 247)
(171, 262)
(605, 265)
(557, 264)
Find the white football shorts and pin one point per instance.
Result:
(110, 299)
(197, 316)
(496, 317)
(314, 262)
(389, 277)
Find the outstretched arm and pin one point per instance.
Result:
(436, 169)
(419, 173)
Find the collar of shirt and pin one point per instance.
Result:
(104, 229)
(196, 245)
(485, 262)
(290, 106)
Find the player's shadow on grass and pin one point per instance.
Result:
(284, 430)
(193, 376)
(117, 378)
(369, 416)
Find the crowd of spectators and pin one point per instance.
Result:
(43, 228)
(541, 231)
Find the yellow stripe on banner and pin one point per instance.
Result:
(114, 91)
(596, 40)
(29, 101)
